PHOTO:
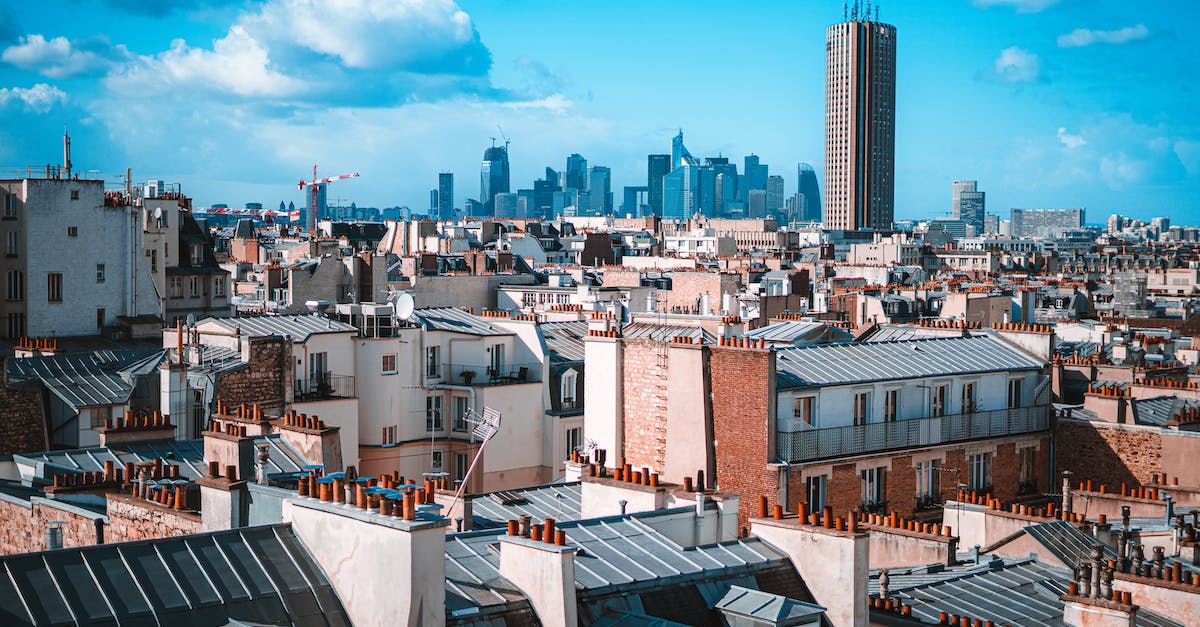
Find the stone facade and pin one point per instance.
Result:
(267, 380)
(1109, 454)
(645, 380)
(22, 420)
(131, 518)
(24, 528)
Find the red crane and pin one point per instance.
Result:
(314, 187)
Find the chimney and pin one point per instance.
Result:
(156, 427)
(603, 413)
(833, 563)
(545, 572)
(224, 499)
(386, 569)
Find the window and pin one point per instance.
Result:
(74, 194)
(461, 465)
(1014, 393)
(15, 286)
(891, 405)
(54, 287)
(389, 435)
(432, 357)
(874, 488)
(12, 244)
(15, 325)
(219, 286)
(436, 460)
(92, 416)
(72, 231)
(862, 408)
(10, 206)
(153, 255)
(497, 360)
(100, 315)
(460, 414)
(968, 398)
(194, 286)
(940, 393)
(802, 411)
(176, 286)
(574, 440)
(814, 487)
(928, 491)
(197, 254)
(99, 273)
(979, 466)
(388, 364)
(569, 382)
(1026, 480)
(433, 413)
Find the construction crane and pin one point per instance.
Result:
(502, 136)
(314, 187)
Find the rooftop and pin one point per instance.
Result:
(299, 328)
(458, 321)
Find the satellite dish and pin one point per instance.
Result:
(404, 305)
(191, 320)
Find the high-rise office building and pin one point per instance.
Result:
(575, 176)
(633, 202)
(860, 116)
(681, 192)
(810, 193)
(679, 153)
(507, 205)
(445, 206)
(756, 203)
(493, 177)
(754, 176)
(967, 204)
(774, 194)
(433, 204)
(1045, 222)
(600, 189)
(543, 195)
(657, 166)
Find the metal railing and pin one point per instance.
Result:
(813, 444)
(324, 386)
(484, 375)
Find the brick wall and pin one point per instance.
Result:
(686, 288)
(132, 519)
(743, 390)
(265, 380)
(614, 276)
(22, 420)
(645, 403)
(1108, 454)
(24, 528)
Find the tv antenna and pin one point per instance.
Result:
(486, 424)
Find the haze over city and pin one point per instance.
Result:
(1046, 103)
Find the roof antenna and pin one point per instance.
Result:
(845, 17)
(854, 12)
(877, 13)
(867, 12)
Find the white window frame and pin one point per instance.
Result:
(383, 363)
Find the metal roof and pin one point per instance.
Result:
(1160, 409)
(665, 332)
(564, 340)
(92, 379)
(792, 331)
(559, 501)
(766, 607)
(1069, 544)
(458, 321)
(299, 328)
(839, 364)
(1016, 592)
(256, 575)
(897, 333)
(189, 454)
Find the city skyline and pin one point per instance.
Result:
(1055, 104)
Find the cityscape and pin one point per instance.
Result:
(919, 348)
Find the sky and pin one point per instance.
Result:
(1047, 103)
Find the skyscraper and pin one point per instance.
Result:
(445, 206)
(774, 194)
(967, 204)
(810, 193)
(493, 177)
(575, 176)
(754, 177)
(860, 115)
(679, 153)
(657, 166)
(600, 189)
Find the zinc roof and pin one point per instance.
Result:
(665, 332)
(791, 331)
(564, 340)
(300, 328)
(840, 364)
(85, 379)
(457, 320)
(560, 501)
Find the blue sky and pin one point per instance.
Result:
(1048, 103)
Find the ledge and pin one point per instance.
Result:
(349, 510)
(548, 547)
(793, 522)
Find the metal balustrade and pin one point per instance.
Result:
(814, 444)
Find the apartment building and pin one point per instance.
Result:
(179, 252)
(70, 262)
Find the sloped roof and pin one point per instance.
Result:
(90, 379)
(665, 332)
(840, 364)
(560, 501)
(792, 331)
(766, 607)
(457, 320)
(252, 575)
(300, 328)
(564, 340)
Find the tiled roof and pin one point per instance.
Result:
(256, 575)
(840, 364)
(299, 328)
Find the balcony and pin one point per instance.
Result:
(486, 375)
(325, 386)
(814, 444)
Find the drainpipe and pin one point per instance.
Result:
(699, 527)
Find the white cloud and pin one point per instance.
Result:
(1021, 6)
(1017, 65)
(1070, 141)
(59, 58)
(40, 98)
(238, 64)
(1086, 36)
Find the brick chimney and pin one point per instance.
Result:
(316, 441)
(387, 569)
(544, 570)
(832, 560)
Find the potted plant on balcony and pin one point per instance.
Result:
(467, 376)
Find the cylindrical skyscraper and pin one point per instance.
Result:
(860, 117)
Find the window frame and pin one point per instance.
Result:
(54, 287)
(434, 419)
(383, 364)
